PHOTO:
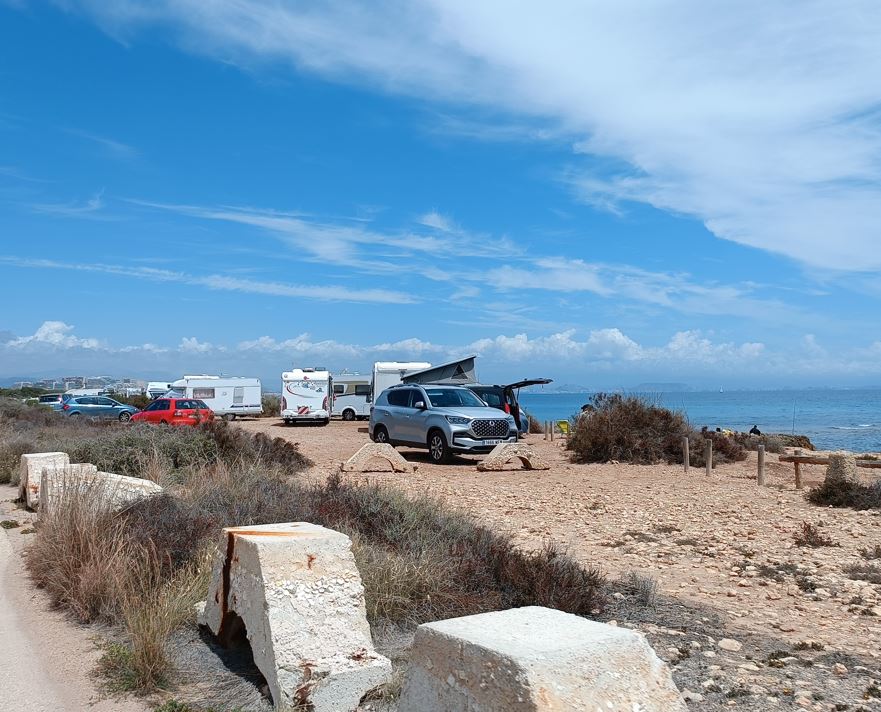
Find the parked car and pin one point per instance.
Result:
(53, 400)
(175, 411)
(97, 408)
(442, 419)
(505, 398)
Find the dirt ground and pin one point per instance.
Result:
(804, 634)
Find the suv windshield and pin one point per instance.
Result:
(453, 397)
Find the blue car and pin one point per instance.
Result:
(97, 408)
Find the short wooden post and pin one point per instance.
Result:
(685, 454)
(708, 455)
(546, 429)
(761, 474)
(551, 423)
(798, 475)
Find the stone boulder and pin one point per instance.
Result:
(842, 468)
(502, 456)
(30, 468)
(365, 460)
(101, 489)
(294, 591)
(534, 659)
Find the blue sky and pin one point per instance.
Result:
(606, 195)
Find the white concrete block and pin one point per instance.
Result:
(31, 467)
(534, 659)
(298, 592)
(103, 489)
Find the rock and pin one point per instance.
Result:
(839, 669)
(534, 659)
(293, 589)
(365, 460)
(690, 696)
(732, 646)
(842, 468)
(501, 456)
(29, 470)
(100, 489)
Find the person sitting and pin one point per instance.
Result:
(755, 430)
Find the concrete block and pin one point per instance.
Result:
(293, 589)
(365, 460)
(534, 659)
(31, 467)
(502, 456)
(103, 489)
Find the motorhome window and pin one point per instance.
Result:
(339, 388)
(453, 397)
(399, 397)
(203, 393)
(362, 390)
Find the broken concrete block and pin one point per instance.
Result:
(842, 468)
(30, 468)
(534, 660)
(365, 460)
(102, 489)
(294, 591)
(503, 454)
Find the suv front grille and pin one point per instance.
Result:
(496, 428)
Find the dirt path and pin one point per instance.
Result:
(45, 659)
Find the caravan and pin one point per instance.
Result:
(228, 397)
(351, 396)
(306, 396)
(391, 373)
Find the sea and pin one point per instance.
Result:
(832, 419)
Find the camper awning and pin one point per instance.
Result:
(459, 372)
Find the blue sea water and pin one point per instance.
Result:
(832, 419)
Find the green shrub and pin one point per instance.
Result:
(271, 406)
(840, 493)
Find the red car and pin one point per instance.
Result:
(174, 411)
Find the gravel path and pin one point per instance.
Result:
(46, 661)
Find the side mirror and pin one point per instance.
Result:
(420, 405)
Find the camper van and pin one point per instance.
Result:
(391, 373)
(351, 396)
(306, 396)
(227, 396)
(156, 389)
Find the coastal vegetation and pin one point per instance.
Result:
(142, 570)
(629, 428)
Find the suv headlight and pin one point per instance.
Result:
(457, 420)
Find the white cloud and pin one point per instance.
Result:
(116, 149)
(53, 334)
(760, 119)
(91, 208)
(192, 345)
(226, 282)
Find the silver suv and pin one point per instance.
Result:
(443, 419)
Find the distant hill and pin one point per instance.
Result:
(661, 387)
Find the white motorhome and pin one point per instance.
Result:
(157, 388)
(351, 396)
(306, 396)
(391, 373)
(227, 396)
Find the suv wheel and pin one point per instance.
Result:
(438, 450)
(380, 434)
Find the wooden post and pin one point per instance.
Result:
(551, 422)
(761, 474)
(708, 455)
(546, 429)
(685, 454)
(798, 475)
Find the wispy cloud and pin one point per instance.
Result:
(226, 282)
(758, 119)
(112, 147)
(91, 209)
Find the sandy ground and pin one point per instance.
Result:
(717, 544)
(46, 660)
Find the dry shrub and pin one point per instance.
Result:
(810, 535)
(864, 572)
(840, 493)
(772, 443)
(631, 429)
(236, 444)
(271, 406)
(12, 446)
(535, 426)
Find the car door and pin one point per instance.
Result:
(395, 413)
(158, 410)
(105, 408)
(416, 422)
(86, 406)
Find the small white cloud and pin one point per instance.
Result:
(54, 334)
(437, 221)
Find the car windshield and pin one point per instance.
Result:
(453, 397)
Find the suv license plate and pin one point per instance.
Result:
(493, 442)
